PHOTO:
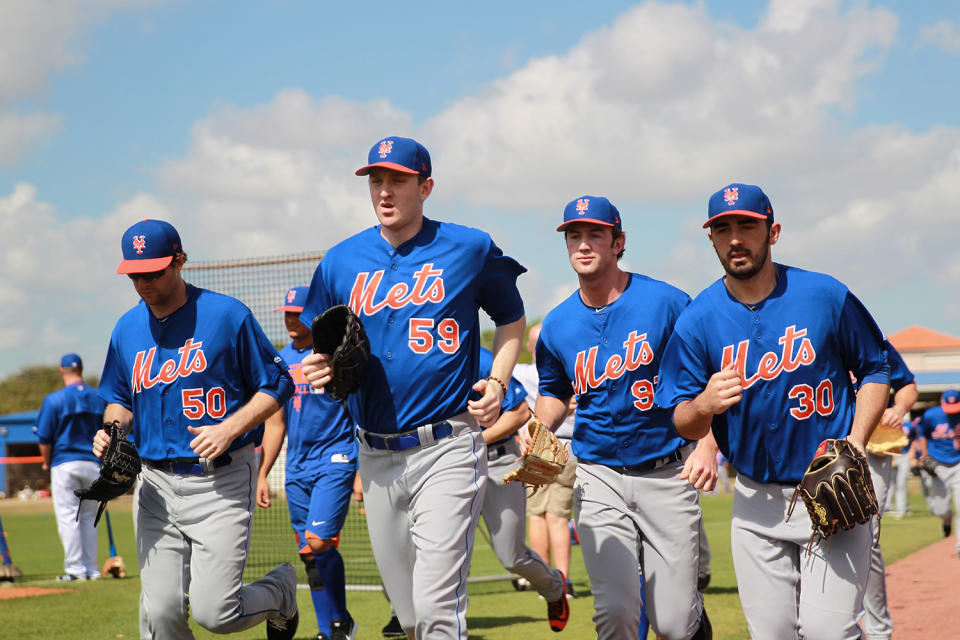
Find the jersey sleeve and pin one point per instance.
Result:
(900, 374)
(684, 372)
(516, 395)
(553, 379)
(862, 344)
(925, 428)
(497, 292)
(114, 387)
(47, 421)
(318, 300)
(263, 368)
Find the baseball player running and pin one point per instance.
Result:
(320, 466)
(887, 439)
(417, 285)
(549, 510)
(765, 355)
(903, 466)
(68, 420)
(633, 504)
(939, 446)
(190, 372)
(503, 505)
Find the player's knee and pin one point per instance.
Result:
(320, 546)
(313, 575)
(675, 624)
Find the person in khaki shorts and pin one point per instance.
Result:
(550, 509)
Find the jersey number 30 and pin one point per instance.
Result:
(810, 399)
(197, 404)
(421, 338)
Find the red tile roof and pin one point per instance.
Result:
(917, 338)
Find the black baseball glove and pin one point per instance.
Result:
(929, 465)
(836, 489)
(338, 332)
(118, 471)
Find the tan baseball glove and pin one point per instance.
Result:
(544, 459)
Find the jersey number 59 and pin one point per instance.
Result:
(421, 339)
(197, 404)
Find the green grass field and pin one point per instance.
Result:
(108, 608)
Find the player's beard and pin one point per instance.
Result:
(751, 268)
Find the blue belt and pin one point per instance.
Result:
(189, 466)
(650, 465)
(407, 439)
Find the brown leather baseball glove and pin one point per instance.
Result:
(543, 461)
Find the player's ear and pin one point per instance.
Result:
(774, 233)
(426, 188)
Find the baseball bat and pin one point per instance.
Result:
(115, 564)
(8, 571)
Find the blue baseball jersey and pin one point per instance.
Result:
(609, 357)
(195, 367)
(900, 374)
(941, 429)
(318, 429)
(419, 306)
(795, 352)
(68, 420)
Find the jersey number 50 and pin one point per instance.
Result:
(421, 339)
(196, 404)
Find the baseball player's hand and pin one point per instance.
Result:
(524, 441)
(100, 442)
(316, 369)
(724, 389)
(211, 440)
(263, 492)
(486, 410)
(700, 469)
(856, 443)
(891, 419)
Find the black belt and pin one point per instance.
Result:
(495, 451)
(407, 439)
(650, 465)
(190, 466)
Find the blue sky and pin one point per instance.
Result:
(241, 121)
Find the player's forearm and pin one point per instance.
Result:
(551, 411)
(273, 432)
(46, 452)
(904, 398)
(119, 413)
(871, 401)
(506, 348)
(507, 424)
(708, 444)
(922, 447)
(690, 422)
(257, 409)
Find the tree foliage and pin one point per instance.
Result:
(26, 389)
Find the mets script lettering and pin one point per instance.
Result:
(637, 352)
(427, 287)
(796, 350)
(192, 360)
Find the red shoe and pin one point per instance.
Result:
(558, 611)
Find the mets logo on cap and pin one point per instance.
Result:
(730, 195)
(139, 243)
(386, 146)
(583, 204)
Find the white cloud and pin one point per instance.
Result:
(942, 35)
(20, 132)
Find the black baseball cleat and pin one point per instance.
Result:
(343, 629)
(703, 582)
(558, 611)
(947, 528)
(281, 628)
(393, 629)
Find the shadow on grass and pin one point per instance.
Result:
(475, 623)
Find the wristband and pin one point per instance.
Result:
(499, 382)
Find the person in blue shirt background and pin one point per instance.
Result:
(68, 420)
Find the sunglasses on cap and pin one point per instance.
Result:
(149, 277)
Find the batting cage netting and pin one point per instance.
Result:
(260, 283)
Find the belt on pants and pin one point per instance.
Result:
(190, 466)
(496, 451)
(650, 465)
(406, 440)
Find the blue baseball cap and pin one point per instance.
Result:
(738, 199)
(149, 245)
(294, 300)
(71, 360)
(593, 209)
(950, 401)
(405, 155)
